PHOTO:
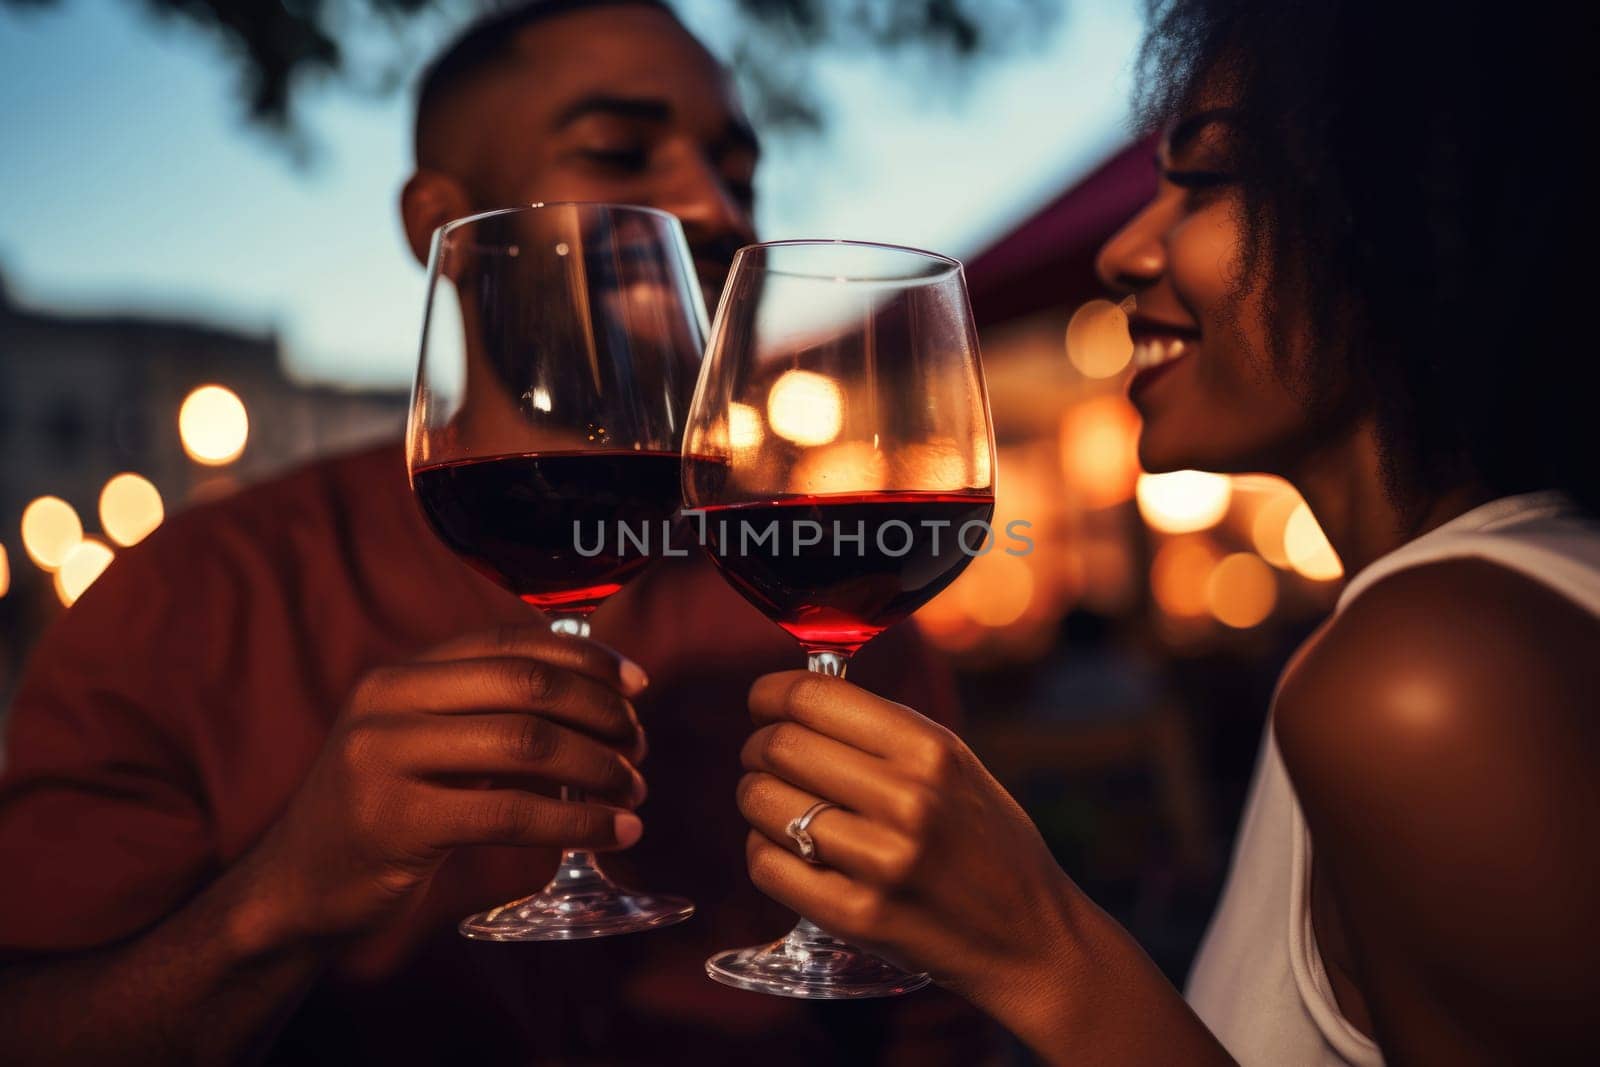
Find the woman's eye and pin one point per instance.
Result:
(1201, 184)
(1198, 179)
(620, 160)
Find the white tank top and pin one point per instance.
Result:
(1259, 982)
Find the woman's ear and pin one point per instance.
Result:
(428, 200)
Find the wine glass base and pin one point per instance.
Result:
(573, 915)
(809, 971)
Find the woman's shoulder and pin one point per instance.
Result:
(1436, 690)
(1459, 652)
(1441, 739)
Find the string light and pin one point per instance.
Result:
(1183, 501)
(744, 426)
(1269, 525)
(1100, 450)
(1098, 343)
(1307, 547)
(50, 530)
(1178, 576)
(130, 509)
(1002, 595)
(85, 563)
(213, 425)
(805, 408)
(1241, 590)
(847, 467)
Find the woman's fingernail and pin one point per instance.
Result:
(629, 828)
(634, 680)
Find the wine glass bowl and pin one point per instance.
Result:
(841, 388)
(839, 461)
(559, 349)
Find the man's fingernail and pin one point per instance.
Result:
(629, 828)
(634, 679)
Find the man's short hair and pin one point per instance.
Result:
(488, 41)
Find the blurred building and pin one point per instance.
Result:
(86, 397)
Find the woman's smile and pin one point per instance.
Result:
(1158, 347)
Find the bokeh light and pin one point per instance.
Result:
(130, 509)
(86, 562)
(1307, 547)
(1269, 525)
(50, 530)
(934, 466)
(213, 425)
(847, 467)
(1183, 501)
(1098, 343)
(744, 427)
(5, 571)
(1002, 594)
(1178, 576)
(805, 408)
(1100, 450)
(944, 621)
(1241, 590)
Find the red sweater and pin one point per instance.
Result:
(166, 719)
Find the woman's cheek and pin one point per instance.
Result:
(1228, 406)
(1205, 254)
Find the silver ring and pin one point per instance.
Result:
(798, 832)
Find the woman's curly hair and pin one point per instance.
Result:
(1411, 180)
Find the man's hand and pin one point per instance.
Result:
(449, 750)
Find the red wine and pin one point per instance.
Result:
(522, 520)
(799, 559)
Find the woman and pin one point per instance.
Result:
(1357, 274)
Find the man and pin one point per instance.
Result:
(235, 824)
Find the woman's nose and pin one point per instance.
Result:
(1135, 258)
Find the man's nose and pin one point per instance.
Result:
(1136, 257)
(710, 212)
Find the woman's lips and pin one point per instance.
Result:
(1153, 356)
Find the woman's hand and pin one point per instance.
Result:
(929, 862)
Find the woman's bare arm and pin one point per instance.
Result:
(1443, 742)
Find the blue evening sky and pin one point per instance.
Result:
(129, 181)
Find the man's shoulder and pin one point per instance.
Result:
(340, 489)
(295, 521)
(349, 481)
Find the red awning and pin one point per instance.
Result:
(1047, 261)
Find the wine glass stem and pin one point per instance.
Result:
(807, 937)
(830, 663)
(578, 865)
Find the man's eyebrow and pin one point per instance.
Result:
(1190, 126)
(646, 109)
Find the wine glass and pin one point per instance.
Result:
(839, 461)
(559, 349)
